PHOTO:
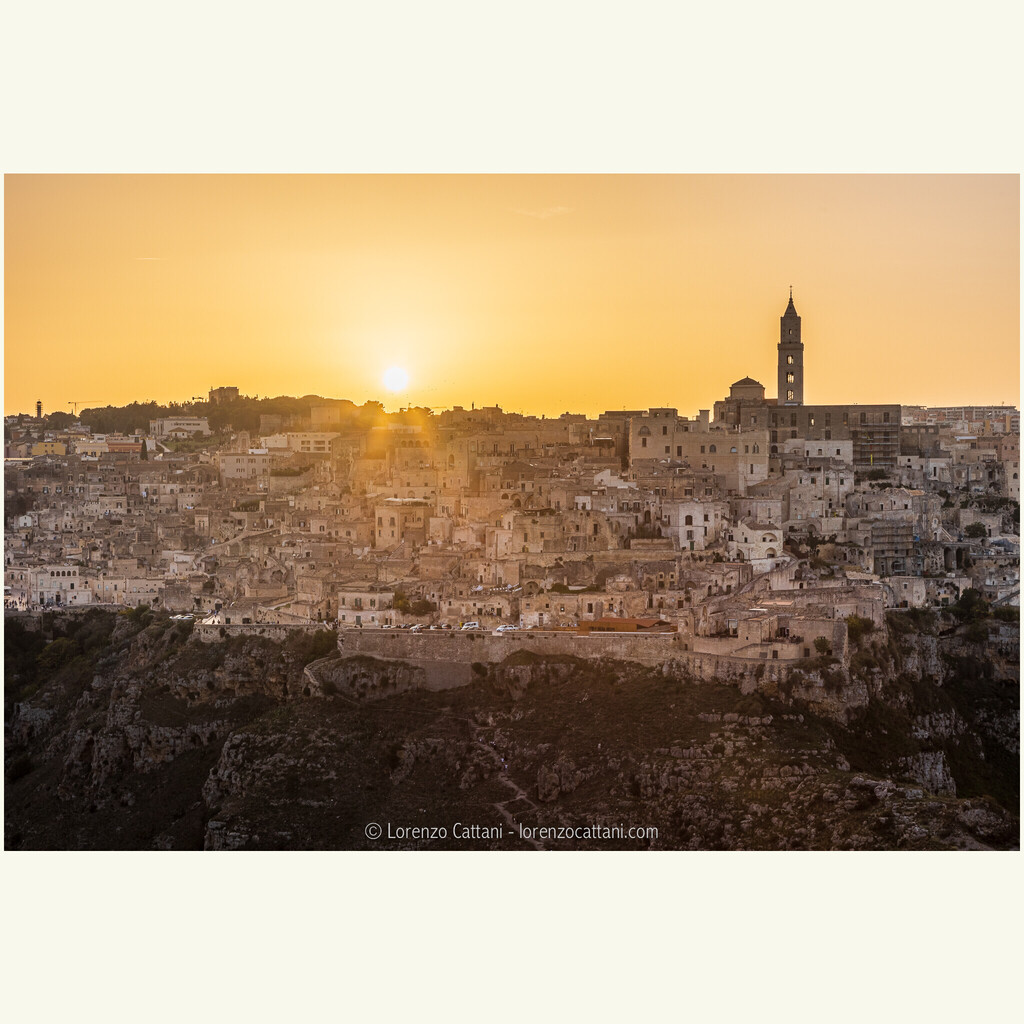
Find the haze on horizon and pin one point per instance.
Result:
(539, 293)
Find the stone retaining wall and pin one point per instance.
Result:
(429, 650)
(271, 630)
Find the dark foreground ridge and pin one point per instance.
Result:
(124, 732)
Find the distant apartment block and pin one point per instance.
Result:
(1004, 419)
(312, 443)
(249, 465)
(48, 448)
(179, 426)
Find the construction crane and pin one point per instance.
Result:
(75, 405)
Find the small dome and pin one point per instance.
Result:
(748, 382)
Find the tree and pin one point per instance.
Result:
(822, 646)
(976, 531)
(59, 420)
(971, 606)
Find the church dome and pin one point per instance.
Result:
(748, 388)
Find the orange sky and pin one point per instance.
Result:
(543, 294)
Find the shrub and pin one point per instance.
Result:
(320, 644)
(977, 631)
(58, 654)
(976, 531)
(858, 628)
(19, 768)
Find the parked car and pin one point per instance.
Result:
(418, 628)
(506, 629)
(471, 625)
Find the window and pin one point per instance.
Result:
(664, 430)
(789, 359)
(713, 448)
(643, 442)
(790, 378)
(668, 450)
(679, 450)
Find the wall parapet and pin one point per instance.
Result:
(212, 632)
(653, 650)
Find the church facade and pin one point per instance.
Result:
(872, 430)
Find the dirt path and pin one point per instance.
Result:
(503, 776)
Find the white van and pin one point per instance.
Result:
(471, 625)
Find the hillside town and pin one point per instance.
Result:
(753, 529)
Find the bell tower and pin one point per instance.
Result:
(791, 357)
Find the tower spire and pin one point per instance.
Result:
(791, 357)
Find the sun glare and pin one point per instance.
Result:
(396, 379)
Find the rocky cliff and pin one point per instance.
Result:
(123, 732)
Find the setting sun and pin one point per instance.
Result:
(396, 379)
